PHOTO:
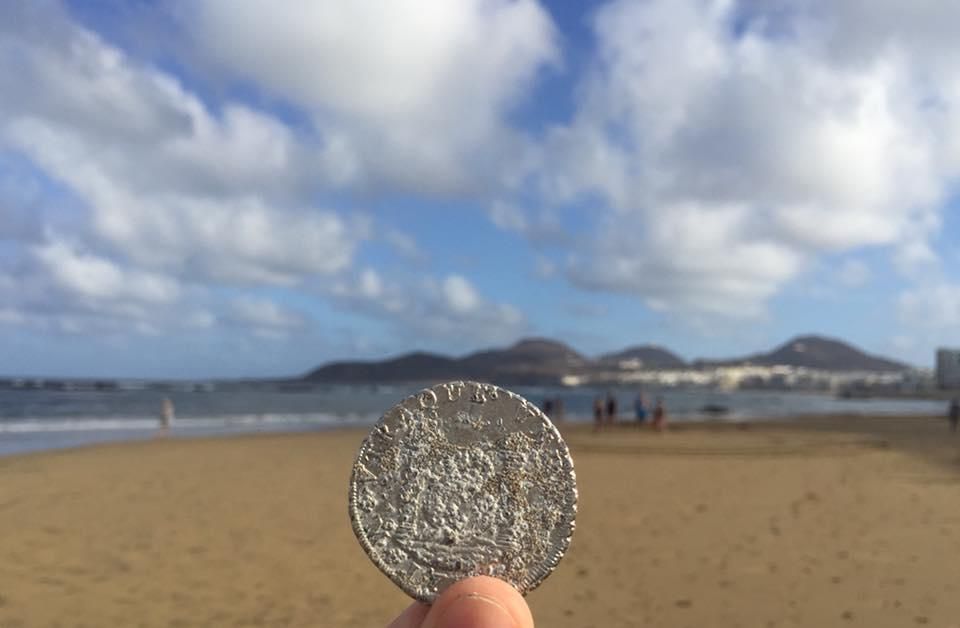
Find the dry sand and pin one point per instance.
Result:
(840, 522)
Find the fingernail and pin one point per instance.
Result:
(476, 611)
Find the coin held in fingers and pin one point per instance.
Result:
(463, 479)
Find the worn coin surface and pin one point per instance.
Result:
(463, 479)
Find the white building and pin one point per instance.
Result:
(948, 368)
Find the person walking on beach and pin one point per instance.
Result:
(597, 414)
(611, 408)
(954, 414)
(166, 416)
(547, 406)
(659, 415)
(640, 408)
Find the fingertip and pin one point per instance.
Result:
(412, 617)
(479, 602)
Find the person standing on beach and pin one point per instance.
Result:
(954, 414)
(166, 416)
(548, 407)
(640, 407)
(558, 410)
(597, 414)
(611, 408)
(659, 415)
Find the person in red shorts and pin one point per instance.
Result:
(659, 416)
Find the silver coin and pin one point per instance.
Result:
(463, 479)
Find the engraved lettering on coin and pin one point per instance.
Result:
(428, 399)
(460, 480)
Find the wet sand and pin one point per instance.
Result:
(833, 522)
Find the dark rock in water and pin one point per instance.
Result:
(714, 408)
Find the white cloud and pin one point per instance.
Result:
(542, 227)
(688, 260)
(91, 277)
(11, 316)
(21, 203)
(199, 319)
(933, 305)
(59, 286)
(404, 245)
(726, 162)
(85, 92)
(265, 314)
(853, 273)
(508, 217)
(412, 91)
(449, 309)
(460, 294)
(168, 193)
(705, 166)
(929, 313)
(545, 268)
(170, 185)
(370, 285)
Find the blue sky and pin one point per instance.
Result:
(226, 188)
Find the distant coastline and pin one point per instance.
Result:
(805, 363)
(802, 364)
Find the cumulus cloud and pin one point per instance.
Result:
(91, 277)
(731, 143)
(459, 294)
(168, 193)
(448, 309)
(413, 91)
(933, 305)
(266, 317)
(162, 194)
(169, 184)
(716, 150)
(21, 203)
(930, 315)
(853, 273)
(508, 217)
(542, 227)
(404, 244)
(688, 261)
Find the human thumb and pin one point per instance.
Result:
(480, 602)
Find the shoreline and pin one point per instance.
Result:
(60, 437)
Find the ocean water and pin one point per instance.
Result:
(40, 419)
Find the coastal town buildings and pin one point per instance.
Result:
(778, 377)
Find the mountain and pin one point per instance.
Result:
(644, 356)
(530, 361)
(409, 367)
(815, 352)
(542, 361)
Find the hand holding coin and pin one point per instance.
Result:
(459, 481)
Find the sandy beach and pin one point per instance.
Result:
(827, 522)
